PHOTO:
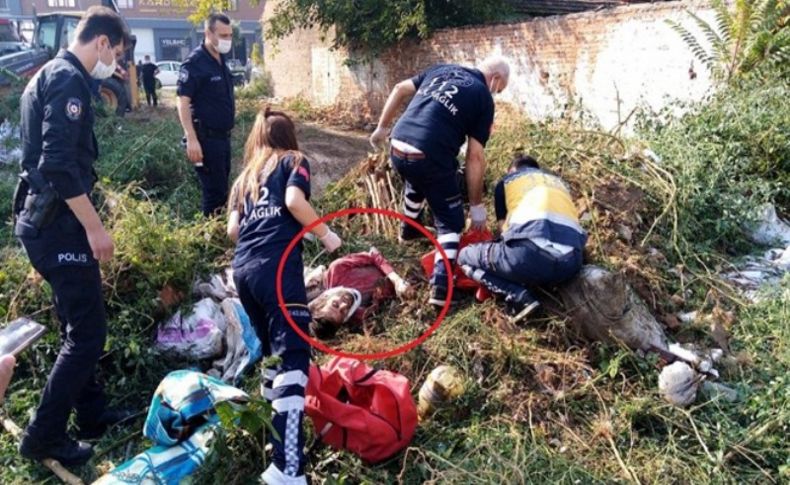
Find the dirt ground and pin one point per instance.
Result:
(332, 152)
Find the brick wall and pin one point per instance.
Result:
(608, 62)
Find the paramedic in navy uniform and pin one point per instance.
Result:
(63, 235)
(449, 105)
(206, 109)
(268, 207)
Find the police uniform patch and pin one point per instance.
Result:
(304, 173)
(183, 76)
(73, 109)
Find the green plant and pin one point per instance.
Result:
(260, 87)
(751, 39)
(256, 56)
(372, 26)
(726, 158)
(9, 101)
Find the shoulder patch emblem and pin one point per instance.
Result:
(304, 173)
(74, 109)
(183, 76)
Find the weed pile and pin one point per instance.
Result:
(539, 406)
(354, 115)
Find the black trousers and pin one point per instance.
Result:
(61, 254)
(437, 184)
(214, 173)
(150, 94)
(284, 383)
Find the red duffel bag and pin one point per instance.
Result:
(355, 407)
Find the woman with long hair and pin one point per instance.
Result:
(268, 207)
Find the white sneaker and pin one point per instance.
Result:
(273, 476)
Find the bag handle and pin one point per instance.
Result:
(367, 376)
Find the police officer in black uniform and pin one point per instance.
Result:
(207, 110)
(63, 235)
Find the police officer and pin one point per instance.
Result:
(206, 108)
(449, 105)
(63, 235)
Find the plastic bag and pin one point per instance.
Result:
(243, 348)
(197, 336)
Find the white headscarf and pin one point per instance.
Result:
(354, 293)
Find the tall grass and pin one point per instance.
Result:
(539, 406)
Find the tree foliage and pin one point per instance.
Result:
(200, 9)
(749, 40)
(373, 25)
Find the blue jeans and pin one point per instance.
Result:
(283, 383)
(507, 268)
(427, 181)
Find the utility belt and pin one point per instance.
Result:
(205, 132)
(36, 202)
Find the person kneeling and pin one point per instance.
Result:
(542, 243)
(350, 290)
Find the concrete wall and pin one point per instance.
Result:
(608, 62)
(145, 43)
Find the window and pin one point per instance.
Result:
(125, 3)
(60, 3)
(232, 5)
(68, 32)
(3, 4)
(47, 31)
(8, 32)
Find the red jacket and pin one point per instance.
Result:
(365, 272)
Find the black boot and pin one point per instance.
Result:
(108, 419)
(521, 306)
(410, 233)
(65, 450)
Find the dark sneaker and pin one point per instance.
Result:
(108, 419)
(439, 296)
(410, 233)
(522, 306)
(67, 451)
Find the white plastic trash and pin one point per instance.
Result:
(678, 384)
(771, 229)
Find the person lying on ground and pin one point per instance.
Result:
(542, 243)
(7, 363)
(350, 290)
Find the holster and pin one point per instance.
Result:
(35, 200)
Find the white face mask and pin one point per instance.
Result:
(224, 46)
(495, 82)
(102, 70)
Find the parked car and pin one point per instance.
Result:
(238, 71)
(168, 73)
